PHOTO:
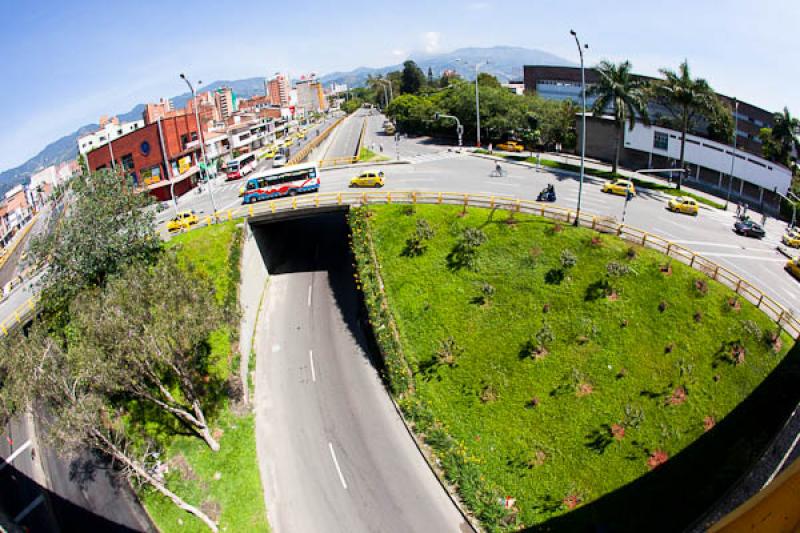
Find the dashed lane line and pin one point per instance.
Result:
(336, 463)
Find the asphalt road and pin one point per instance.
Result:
(334, 454)
(345, 138)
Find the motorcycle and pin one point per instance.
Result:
(548, 194)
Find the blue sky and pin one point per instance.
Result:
(65, 65)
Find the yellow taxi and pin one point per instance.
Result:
(288, 142)
(269, 154)
(683, 204)
(792, 238)
(183, 220)
(510, 146)
(368, 179)
(793, 267)
(619, 187)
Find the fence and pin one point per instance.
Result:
(782, 317)
(300, 156)
(19, 315)
(336, 161)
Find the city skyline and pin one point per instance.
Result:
(70, 76)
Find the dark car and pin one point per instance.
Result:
(748, 228)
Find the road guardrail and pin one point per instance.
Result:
(301, 156)
(19, 316)
(602, 224)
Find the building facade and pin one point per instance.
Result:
(225, 100)
(278, 90)
(310, 96)
(755, 180)
(564, 83)
(108, 130)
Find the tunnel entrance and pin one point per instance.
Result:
(320, 243)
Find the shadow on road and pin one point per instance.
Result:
(40, 510)
(320, 243)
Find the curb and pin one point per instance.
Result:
(366, 164)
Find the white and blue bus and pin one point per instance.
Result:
(286, 181)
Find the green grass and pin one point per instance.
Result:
(236, 498)
(368, 155)
(608, 360)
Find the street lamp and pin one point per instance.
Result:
(386, 98)
(583, 124)
(477, 102)
(200, 139)
(459, 127)
(733, 153)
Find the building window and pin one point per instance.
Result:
(127, 162)
(660, 140)
(184, 141)
(144, 148)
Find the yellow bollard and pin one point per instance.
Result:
(250, 210)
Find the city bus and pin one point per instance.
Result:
(239, 166)
(286, 181)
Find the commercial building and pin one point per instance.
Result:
(15, 212)
(251, 135)
(109, 129)
(310, 96)
(515, 87)
(278, 90)
(564, 83)
(756, 181)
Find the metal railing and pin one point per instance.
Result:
(301, 156)
(336, 161)
(19, 316)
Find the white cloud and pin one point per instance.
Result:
(431, 41)
(399, 54)
(478, 6)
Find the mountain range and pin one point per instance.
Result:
(504, 62)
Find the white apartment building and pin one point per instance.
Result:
(109, 132)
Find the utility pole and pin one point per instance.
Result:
(733, 153)
(583, 129)
(200, 139)
(459, 127)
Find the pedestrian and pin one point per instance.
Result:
(763, 219)
(381, 147)
(490, 148)
(738, 209)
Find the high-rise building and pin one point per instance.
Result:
(225, 101)
(310, 95)
(278, 88)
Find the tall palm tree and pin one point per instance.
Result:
(618, 88)
(785, 135)
(686, 98)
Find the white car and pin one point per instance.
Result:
(278, 161)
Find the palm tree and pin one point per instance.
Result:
(785, 135)
(686, 98)
(618, 88)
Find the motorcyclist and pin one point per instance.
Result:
(498, 169)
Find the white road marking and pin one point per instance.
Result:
(31, 506)
(276, 348)
(10, 458)
(783, 461)
(336, 463)
(311, 360)
(739, 256)
(309, 295)
(707, 243)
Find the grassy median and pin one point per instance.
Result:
(225, 484)
(578, 379)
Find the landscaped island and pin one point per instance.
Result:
(556, 371)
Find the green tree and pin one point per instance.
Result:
(430, 77)
(412, 78)
(411, 113)
(147, 330)
(784, 136)
(619, 89)
(686, 98)
(73, 411)
(104, 229)
(487, 80)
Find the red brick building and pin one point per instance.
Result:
(139, 156)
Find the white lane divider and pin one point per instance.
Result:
(336, 463)
(31, 506)
(10, 458)
(311, 360)
(309, 295)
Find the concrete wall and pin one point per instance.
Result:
(254, 278)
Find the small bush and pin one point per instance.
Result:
(488, 394)
(617, 270)
(534, 254)
(656, 459)
(449, 351)
(409, 210)
(568, 259)
(631, 252)
(698, 316)
(662, 306)
(751, 328)
(596, 241)
(700, 286)
(416, 244)
(486, 293)
(465, 252)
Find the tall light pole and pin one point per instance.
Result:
(733, 153)
(391, 96)
(477, 103)
(200, 139)
(459, 127)
(583, 124)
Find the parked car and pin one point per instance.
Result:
(279, 160)
(749, 228)
(368, 179)
(183, 220)
(619, 187)
(792, 238)
(510, 146)
(683, 204)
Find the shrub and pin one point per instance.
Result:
(596, 241)
(631, 252)
(657, 458)
(486, 293)
(701, 286)
(617, 431)
(533, 255)
(634, 416)
(544, 336)
(662, 306)
(568, 259)
(449, 351)
(773, 339)
(489, 394)
(698, 316)
(416, 244)
(409, 210)
(465, 253)
(423, 229)
(617, 270)
(751, 328)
